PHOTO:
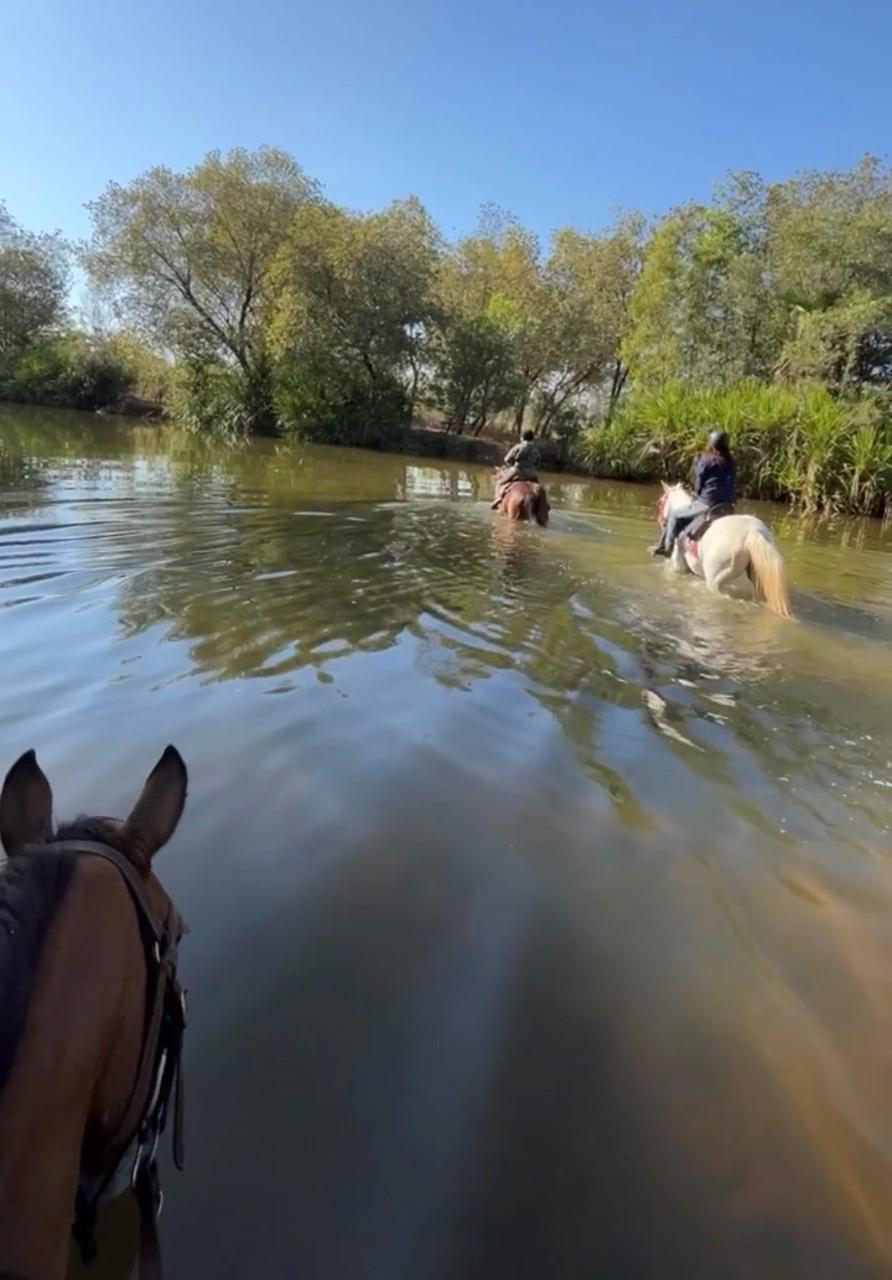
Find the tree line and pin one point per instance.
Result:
(249, 302)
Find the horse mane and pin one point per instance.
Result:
(102, 829)
(32, 886)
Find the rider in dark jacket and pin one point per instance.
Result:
(714, 485)
(715, 473)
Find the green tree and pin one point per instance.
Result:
(790, 280)
(591, 279)
(69, 369)
(357, 286)
(830, 245)
(524, 334)
(490, 343)
(353, 306)
(703, 306)
(188, 257)
(33, 284)
(472, 370)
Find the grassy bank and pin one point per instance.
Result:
(817, 450)
(806, 447)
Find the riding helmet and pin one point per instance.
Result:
(718, 440)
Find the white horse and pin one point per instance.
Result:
(731, 546)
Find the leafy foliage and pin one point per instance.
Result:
(207, 394)
(188, 258)
(353, 307)
(33, 284)
(788, 282)
(537, 335)
(322, 400)
(72, 370)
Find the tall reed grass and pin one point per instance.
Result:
(804, 446)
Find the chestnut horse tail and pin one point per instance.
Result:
(768, 573)
(539, 507)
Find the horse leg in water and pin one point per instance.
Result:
(678, 562)
(534, 504)
(719, 571)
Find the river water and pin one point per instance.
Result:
(539, 902)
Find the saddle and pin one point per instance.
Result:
(698, 526)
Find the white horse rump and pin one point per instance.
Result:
(730, 547)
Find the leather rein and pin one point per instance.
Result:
(158, 1078)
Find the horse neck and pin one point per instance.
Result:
(75, 1065)
(677, 498)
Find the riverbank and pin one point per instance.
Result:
(819, 463)
(487, 451)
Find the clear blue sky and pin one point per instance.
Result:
(556, 109)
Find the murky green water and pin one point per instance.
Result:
(540, 903)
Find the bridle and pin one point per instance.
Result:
(159, 1076)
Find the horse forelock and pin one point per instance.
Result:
(32, 886)
(104, 830)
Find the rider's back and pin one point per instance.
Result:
(715, 480)
(525, 454)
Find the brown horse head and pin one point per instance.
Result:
(75, 998)
(525, 500)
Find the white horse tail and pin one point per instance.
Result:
(768, 573)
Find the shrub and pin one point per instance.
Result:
(207, 395)
(72, 371)
(318, 399)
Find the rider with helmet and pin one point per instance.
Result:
(714, 485)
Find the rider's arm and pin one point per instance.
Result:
(511, 455)
(699, 475)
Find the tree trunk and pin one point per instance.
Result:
(480, 418)
(413, 389)
(519, 411)
(460, 417)
(620, 374)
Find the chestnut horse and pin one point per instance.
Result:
(525, 500)
(91, 1016)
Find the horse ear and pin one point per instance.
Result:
(156, 813)
(26, 805)
(666, 487)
